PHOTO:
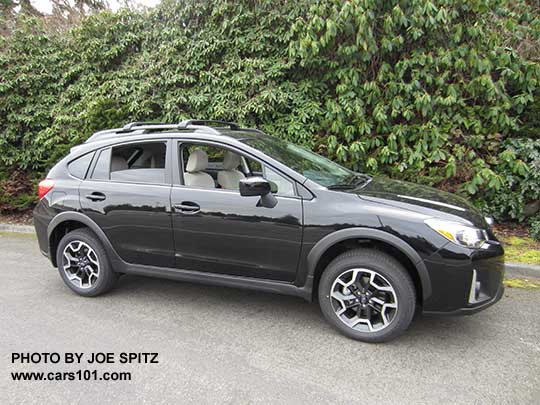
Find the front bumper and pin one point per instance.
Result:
(465, 281)
(471, 310)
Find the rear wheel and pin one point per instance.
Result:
(367, 295)
(83, 264)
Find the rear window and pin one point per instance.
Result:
(79, 167)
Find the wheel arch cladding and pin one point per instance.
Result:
(337, 242)
(66, 222)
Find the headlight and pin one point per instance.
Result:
(458, 233)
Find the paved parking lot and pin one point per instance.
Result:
(220, 345)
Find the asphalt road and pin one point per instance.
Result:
(220, 345)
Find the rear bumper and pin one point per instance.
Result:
(41, 221)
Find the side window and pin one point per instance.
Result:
(202, 166)
(280, 185)
(101, 169)
(211, 166)
(79, 167)
(215, 156)
(140, 163)
(255, 168)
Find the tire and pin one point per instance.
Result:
(90, 277)
(348, 299)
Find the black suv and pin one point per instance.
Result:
(208, 201)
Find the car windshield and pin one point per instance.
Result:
(315, 167)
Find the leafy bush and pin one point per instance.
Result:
(535, 227)
(417, 86)
(519, 169)
(431, 91)
(16, 192)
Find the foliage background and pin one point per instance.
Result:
(439, 92)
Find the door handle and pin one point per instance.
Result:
(187, 207)
(96, 196)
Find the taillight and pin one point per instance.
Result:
(44, 187)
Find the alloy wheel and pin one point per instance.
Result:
(364, 300)
(80, 264)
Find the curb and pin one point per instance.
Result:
(29, 229)
(510, 269)
(522, 270)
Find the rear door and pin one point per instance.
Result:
(127, 193)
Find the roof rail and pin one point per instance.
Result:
(187, 123)
(159, 126)
(129, 126)
(142, 126)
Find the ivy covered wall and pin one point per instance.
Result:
(439, 92)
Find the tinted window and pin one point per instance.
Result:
(79, 166)
(101, 170)
(141, 162)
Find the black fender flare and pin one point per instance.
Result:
(80, 217)
(368, 233)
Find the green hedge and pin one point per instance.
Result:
(438, 92)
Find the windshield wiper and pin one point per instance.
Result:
(357, 180)
(361, 180)
(354, 181)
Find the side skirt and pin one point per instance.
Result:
(218, 279)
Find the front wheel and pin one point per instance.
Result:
(83, 264)
(367, 295)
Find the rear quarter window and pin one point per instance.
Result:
(79, 167)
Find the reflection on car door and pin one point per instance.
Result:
(230, 234)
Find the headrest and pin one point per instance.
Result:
(197, 161)
(118, 163)
(231, 161)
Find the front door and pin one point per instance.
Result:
(217, 230)
(127, 193)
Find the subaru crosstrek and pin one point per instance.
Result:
(211, 202)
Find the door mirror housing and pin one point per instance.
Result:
(258, 186)
(253, 186)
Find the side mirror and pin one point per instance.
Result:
(258, 186)
(253, 186)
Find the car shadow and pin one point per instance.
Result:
(274, 310)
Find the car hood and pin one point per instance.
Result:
(421, 199)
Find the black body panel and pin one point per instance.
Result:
(136, 218)
(230, 234)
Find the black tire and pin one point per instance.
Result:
(394, 273)
(106, 278)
